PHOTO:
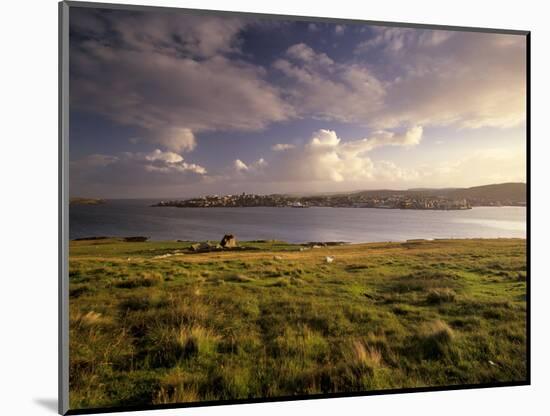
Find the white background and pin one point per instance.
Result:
(28, 233)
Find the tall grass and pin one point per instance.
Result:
(278, 321)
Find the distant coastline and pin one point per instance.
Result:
(511, 194)
(86, 201)
(269, 201)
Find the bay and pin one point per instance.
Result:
(136, 217)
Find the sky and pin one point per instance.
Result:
(165, 104)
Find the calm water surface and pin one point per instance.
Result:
(137, 217)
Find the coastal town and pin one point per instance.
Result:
(358, 200)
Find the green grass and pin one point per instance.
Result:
(276, 321)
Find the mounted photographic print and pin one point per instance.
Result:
(263, 208)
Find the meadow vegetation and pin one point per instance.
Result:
(153, 323)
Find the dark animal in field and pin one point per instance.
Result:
(228, 241)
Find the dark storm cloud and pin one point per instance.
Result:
(175, 75)
(170, 75)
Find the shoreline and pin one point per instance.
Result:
(324, 244)
(106, 202)
(314, 207)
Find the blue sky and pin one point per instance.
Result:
(165, 104)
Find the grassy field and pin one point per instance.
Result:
(152, 323)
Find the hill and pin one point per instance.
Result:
(86, 201)
(504, 191)
(512, 193)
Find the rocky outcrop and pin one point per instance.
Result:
(228, 241)
(204, 247)
(137, 239)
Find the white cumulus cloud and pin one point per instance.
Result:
(240, 165)
(281, 147)
(168, 157)
(177, 139)
(327, 157)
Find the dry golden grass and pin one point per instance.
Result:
(276, 321)
(87, 319)
(365, 355)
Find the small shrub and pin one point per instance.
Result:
(74, 273)
(175, 388)
(175, 394)
(281, 282)
(440, 295)
(432, 275)
(87, 320)
(143, 280)
(231, 381)
(353, 268)
(303, 342)
(401, 310)
(435, 341)
(496, 314)
(240, 278)
(358, 368)
(183, 343)
(467, 323)
(137, 303)
(366, 356)
(78, 290)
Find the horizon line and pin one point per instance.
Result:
(312, 193)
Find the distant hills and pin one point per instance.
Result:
(511, 193)
(86, 201)
(503, 191)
